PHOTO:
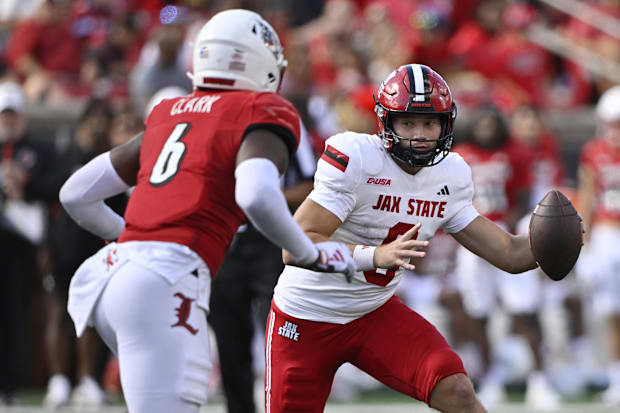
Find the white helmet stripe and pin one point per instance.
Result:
(418, 79)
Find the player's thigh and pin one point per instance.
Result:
(403, 350)
(476, 281)
(604, 262)
(161, 339)
(521, 293)
(301, 359)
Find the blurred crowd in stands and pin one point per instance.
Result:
(65, 52)
(79, 75)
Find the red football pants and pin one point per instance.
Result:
(394, 344)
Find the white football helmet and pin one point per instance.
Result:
(608, 107)
(237, 49)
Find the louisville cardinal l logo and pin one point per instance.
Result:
(183, 311)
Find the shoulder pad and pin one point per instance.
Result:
(372, 154)
(457, 169)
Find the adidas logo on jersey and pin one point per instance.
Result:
(444, 191)
(289, 330)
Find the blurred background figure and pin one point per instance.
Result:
(599, 197)
(501, 169)
(558, 299)
(74, 149)
(45, 52)
(29, 182)
(546, 165)
(161, 64)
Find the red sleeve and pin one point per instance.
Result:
(272, 111)
(587, 154)
(23, 41)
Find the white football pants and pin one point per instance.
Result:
(161, 338)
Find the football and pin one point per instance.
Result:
(555, 235)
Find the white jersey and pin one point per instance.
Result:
(359, 182)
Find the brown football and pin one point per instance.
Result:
(555, 235)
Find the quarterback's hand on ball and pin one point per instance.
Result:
(399, 252)
(334, 257)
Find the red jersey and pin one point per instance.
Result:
(547, 169)
(604, 161)
(498, 175)
(185, 191)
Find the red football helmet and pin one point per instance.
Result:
(419, 89)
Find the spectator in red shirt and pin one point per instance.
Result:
(44, 51)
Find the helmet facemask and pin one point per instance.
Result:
(406, 154)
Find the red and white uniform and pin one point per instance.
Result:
(196, 139)
(180, 220)
(376, 201)
(604, 161)
(601, 262)
(498, 175)
(319, 321)
(547, 170)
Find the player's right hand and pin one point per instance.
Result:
(334, 257)
(399, 252)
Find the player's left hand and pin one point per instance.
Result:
(334, 257)
(398, 252)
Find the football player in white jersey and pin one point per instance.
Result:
(369, 190)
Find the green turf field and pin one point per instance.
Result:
(369, 407)
(381, 400)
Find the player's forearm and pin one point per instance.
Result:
(83, 194)
(315, 237)
(258, 194)
(507, 252)
(521, 257)
(511, 254)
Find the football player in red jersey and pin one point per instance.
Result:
(376, 193)
(599, 199)
(204, 163)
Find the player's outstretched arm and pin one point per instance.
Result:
(486, 239)
(319, 224)
(262, 157)
(108, 174)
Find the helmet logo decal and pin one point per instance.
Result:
(236, 61)
(204, 52)
(391, 75)
(269, 38)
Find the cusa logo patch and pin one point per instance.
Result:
(379, 181)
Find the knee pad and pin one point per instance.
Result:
(195, 380)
